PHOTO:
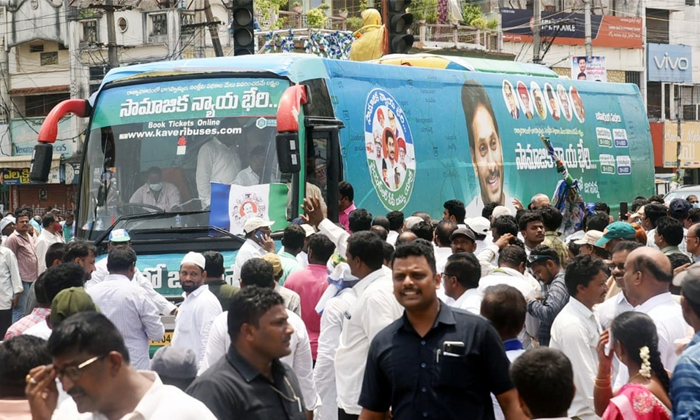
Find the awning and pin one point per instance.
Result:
(20, 162)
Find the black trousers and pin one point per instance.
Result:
(342, 415)
(5, 321)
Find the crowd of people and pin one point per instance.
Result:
(481, 316)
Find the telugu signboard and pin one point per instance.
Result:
(670, 63)
(569, 28)
(25, 133)
(690, 144)
(590, 68)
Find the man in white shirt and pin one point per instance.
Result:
(92, 363)
(155, 192)
(50, 234)
(199, 309)
(257, 243)
(258, 272)
(396, 225)
(443, 248)
(647, 278)
(7, 226)
(130, 310)
(120, 237)
(334, 311)
(512, 262)
(218, 163)
(461, 281)
(10, 287)
(375, 308)
(576, 330)
(619, 303)
(253, 173)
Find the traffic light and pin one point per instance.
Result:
(398, 22)
(242, 27)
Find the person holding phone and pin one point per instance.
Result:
(434, 362)
(257, 243)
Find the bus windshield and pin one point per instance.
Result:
(153, 150)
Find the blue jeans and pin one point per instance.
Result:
(18, 312)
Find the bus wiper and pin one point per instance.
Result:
(141, 216)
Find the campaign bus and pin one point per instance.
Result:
(237, 137)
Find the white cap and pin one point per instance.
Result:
(412, 221)
(479, 225)
(308, 229)
(195, 258)
(6, 221)
(499, 211)
(255, 223)
(590, 238)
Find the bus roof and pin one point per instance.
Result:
(300, 67)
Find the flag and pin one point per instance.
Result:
(233, 205)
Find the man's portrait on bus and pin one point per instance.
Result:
(564, 100)
(509, 98)
(578, 104)
(390, 147)
(524, 96)
(539, 100)
(484, 142)
(552, 101)
(380, 117)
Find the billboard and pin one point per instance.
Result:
(589, 68)
(669, 63)
(690, 144)
(569, 28)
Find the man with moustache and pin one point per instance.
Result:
(434, 362)
(575, 331)
(485, 148)
(21, 243)
(92, 363)
(616, 304)
(512, 106)
(199, 309)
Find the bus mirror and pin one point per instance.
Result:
(41, 162)
(288, 152)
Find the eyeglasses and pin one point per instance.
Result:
(691, 237)
(74, 372)
(620, 266)
(532, 258)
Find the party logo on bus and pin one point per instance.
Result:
(389, 146)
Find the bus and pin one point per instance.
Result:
(407, 136)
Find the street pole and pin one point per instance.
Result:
(111, 35)
(536, 41)
(587, 20)
(213, 29)
(680, 137)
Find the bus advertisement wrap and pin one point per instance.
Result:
(477, 138)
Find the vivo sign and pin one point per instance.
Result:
(670, 63)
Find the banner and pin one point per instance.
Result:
(425, 136)
(569, 28)
(588, 68)
(670, 63)
(233, 205)
(690, 144)
(25, 132)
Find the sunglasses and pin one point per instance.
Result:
(532, 258)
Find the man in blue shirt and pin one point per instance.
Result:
(685, 380)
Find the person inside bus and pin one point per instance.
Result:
(252, 174)
(216, 162)
(485, 147)
(156, 192)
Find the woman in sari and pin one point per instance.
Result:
(645, 395)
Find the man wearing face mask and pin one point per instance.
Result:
(50, 234)
(156, 192)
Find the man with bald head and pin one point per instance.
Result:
(648, 274)
(692, 242)
(538, 201)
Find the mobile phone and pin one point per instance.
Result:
(453, 348)
(609, 345)
(623, 210)
(260, 236)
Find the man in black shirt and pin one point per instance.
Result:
(250, 383)
(435, 361)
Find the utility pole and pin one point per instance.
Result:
(587, 20)
(680, 137)
(536, 41)
(213, 29)
(111, 35)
